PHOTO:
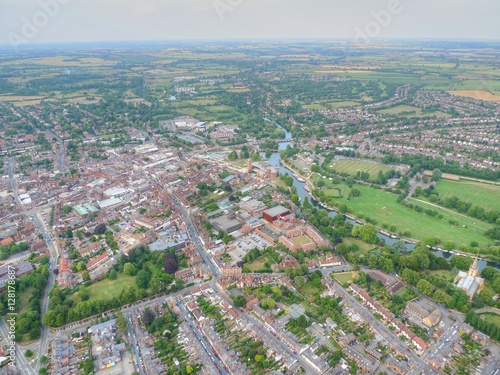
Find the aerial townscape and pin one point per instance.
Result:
(270, 207)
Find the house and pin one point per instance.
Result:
(400, 367)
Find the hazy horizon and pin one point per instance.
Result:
(68, 21)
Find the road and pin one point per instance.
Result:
(60, 158)
(22, 364)
(34, 215)
(54, 255)
(209, 356)
(134, 344)
(447, 339)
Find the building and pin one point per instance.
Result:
(400, 367)
(470, 282)
(226, 224)
(423, 312)
(274, 213)
(21, 268)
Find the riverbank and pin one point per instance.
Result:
(383, 233)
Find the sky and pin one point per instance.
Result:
(48, 21)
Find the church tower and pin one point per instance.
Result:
(474, 270)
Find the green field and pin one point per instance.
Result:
(344, 277)
(257, 264)
(363, 247)
(108, 288)
(492, 318)
(334, 193)
(383, 207)
(410, 111)
(351, 167)
(486, 196)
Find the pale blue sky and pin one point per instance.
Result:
(103, 20)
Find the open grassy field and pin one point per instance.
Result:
(383, 207)
(363, 247)
(492, 318)
(351, 167)
(344, 277)
(301, 240)
(335, 193)
(108, 288)
(482, 195)
(258, 263)
(410, 111)
(347, 103)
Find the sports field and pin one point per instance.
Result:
(486, 196)
(351, 167)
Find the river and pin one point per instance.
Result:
(275, 158)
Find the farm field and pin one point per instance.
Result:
(351, 167)
(383, 207)
(477, 94)
(482, 195)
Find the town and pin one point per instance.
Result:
(222, 224)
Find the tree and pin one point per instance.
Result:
(462, 263)
(113, 274)
(170, 264)
(399, 247)
(425, 287)
(240, 301)
(84, 293)
(28, 353)
(142, 279)
(100, 229)
(148, 317)
(436, 174)
(299, 281)
(268, 304)
(129, 269)
(43, 359)
(87, 366)
(121, 323)
(355, 192)
(302, 321)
